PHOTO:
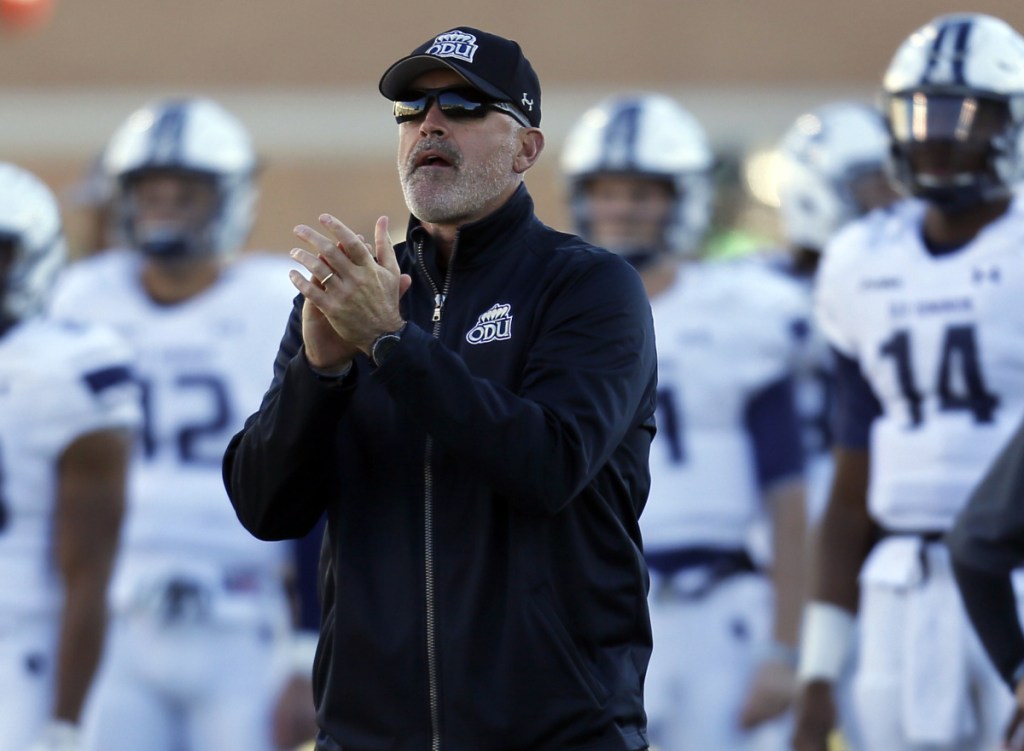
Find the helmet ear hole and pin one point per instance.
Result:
(807, 204)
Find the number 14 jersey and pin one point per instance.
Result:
(940, 340)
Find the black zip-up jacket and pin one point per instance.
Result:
(986, 545)
(486, 589)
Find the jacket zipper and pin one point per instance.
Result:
(440, 297)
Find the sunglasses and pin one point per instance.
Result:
(456, 104)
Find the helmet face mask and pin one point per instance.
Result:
(950, 146)
(189, 141)
(954, 103)
(32, 245)
(650, 140)
(628, 214)
(172, 212)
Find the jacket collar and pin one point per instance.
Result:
(485, 238)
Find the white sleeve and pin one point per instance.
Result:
(98, 388)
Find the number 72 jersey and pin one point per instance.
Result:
(202, 365)
(940, 340)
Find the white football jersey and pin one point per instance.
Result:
(204, 365)
(58, 382)
(940, 340)
(725, 331)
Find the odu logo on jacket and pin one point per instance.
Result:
(493, 325)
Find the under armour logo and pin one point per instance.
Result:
(527, 102)
(983, 274)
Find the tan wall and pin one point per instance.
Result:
(746, 67)
(332, 42)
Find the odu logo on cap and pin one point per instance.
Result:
(495, 324)
(454, 43)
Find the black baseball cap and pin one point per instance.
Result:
(490, 63)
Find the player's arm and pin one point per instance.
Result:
(90, 506)
(839, 547)
(774, 427)
(846, 533)
(789, 532)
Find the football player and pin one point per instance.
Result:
(833, 168)
(201, 617)
(921, 304)
(68, 408)
(727, 450)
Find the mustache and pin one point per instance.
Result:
(445, 148)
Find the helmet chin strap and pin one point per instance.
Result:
(953, 201)
(171, 242)
(959, 200)
(168, 244)
(165, 247)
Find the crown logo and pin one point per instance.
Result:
(455, 36)
(494, 324)
(497, 311)
(455, 43)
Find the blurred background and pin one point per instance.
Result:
(302, 74)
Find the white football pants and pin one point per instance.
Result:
(27, 669)
(923, 681)
(185, 687)
(706, 651)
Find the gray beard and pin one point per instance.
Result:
(448, 195)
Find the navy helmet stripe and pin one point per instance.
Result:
(960, 52)
(100, 380)
(961, 31)
(621, 136)
(167, 141)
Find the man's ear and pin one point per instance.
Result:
(531, 143)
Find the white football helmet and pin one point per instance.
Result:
(30, 225)
(823, 157)
(187, 136)
(647, 135)
(953, 98)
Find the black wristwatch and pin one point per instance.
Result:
(384, 344)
